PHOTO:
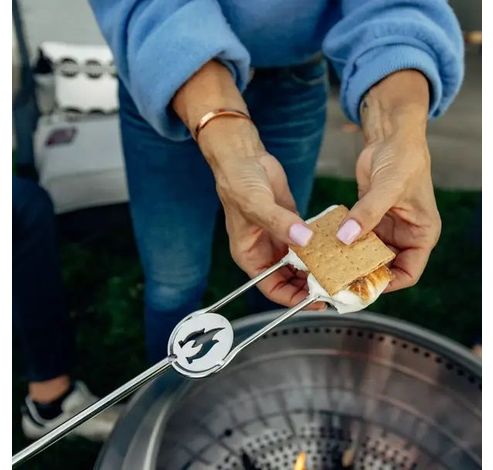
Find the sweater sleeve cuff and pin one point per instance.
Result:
(377, 63)
(179, 47)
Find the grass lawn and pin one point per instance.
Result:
(105, 290)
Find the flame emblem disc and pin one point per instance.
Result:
(200, 343)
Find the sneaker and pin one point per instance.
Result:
(97, 428)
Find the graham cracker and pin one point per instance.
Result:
(334, 264)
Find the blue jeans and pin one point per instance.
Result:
(173, 199)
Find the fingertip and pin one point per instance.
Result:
(300, 234)
(349, 231)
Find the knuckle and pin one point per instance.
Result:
(413, 281)
(438, 226)
(252, 204)
(410, 281)
(272, 219)
(236, 254)
(261, 211)
(369, 214)
(436, 236)
(222, 185)
(435, 229)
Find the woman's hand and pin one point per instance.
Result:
(394, 176)
(261, 217)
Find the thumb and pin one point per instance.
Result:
(283, 224)
(366, 214)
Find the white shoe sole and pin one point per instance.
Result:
(95, 429)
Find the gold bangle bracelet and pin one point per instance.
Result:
(208, 117)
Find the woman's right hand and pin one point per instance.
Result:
(261, 216)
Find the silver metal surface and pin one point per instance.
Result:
(389, 394)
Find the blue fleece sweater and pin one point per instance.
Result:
(159, 44)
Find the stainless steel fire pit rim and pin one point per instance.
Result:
(379, 323)
(317, 353)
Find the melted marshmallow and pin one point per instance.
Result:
(344, 301)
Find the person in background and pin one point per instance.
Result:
(41, 321)
(224, 101)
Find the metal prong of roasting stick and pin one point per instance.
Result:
(91, 411)
(252, 282)
(258, 334)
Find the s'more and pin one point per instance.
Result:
(349, 277)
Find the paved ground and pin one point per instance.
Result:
(454, 139)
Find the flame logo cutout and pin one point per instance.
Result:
(203, 342)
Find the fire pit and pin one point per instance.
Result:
(324, 391)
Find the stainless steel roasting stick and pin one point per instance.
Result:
(188, 353)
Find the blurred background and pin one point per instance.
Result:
(66, 137)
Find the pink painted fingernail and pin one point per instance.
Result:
(349, 231)
(300, 234)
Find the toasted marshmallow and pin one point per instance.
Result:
(357, 296)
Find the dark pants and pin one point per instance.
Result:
(40, 316)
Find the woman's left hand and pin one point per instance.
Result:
(393, 173)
